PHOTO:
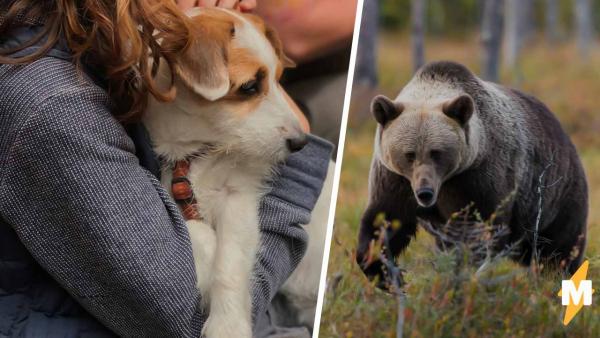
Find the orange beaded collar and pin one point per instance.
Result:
(183, 193)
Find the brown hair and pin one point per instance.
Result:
(118, 37)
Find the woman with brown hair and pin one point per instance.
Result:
(90, 242)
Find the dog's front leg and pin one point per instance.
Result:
(237, 241)
(204, 245)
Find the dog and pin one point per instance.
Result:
(231, 122)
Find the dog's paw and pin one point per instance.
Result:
(220, 326)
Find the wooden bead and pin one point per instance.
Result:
(182, 191)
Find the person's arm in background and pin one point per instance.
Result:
(310, 29)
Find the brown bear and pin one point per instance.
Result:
(450, 139)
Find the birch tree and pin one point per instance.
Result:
(491, 38)
(584, 27)
(515, 12)
(418, 33)
(366, 57)
(551, 21)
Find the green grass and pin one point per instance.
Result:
(439, 302)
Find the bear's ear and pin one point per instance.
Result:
(385, 109)
(459, 109)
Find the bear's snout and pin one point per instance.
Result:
(425, 197)
(425, 184)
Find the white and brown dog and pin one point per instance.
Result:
(234, 120)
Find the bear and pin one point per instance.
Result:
(450, 139)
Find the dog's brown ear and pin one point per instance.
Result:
(274, 39)
(203, 66)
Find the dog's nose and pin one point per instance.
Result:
(297, 143)
(425, 196)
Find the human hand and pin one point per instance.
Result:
(240, 5)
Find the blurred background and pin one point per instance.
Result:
(320, 44)
(547, 48)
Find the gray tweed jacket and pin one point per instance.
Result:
(101, 225)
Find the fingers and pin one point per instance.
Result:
(186, 4)
(247, 5)
(241, 5)
(207, 3)
(231, 4)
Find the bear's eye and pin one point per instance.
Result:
(410, 156)
(435, 155)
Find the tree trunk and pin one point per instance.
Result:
(527, 19)
(552, 34)
(491, 38)
(583, 20)
(366, 58)
(513, 32)
(418, 33)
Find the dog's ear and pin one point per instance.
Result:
(273, 37)
(203, 65)
(275, 41)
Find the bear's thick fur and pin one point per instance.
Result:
(450, 139)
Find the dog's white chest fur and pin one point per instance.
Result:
(218, 182)
(225, 241)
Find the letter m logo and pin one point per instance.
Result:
(572, 295)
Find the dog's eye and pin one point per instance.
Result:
(435, 155)
(249, 88)
(410, 156)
